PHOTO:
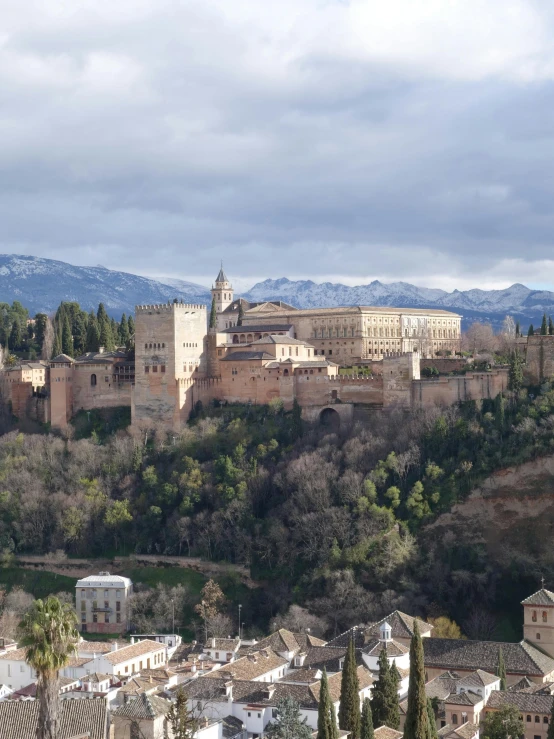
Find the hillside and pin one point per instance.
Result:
(42, 284)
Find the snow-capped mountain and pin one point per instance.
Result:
(519, 301)
(41, 284)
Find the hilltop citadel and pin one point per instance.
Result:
(257, 352)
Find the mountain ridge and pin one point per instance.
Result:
(41, 284)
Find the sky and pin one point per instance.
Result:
(311, 139)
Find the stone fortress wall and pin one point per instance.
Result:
(179, 361)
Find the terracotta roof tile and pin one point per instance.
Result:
(532, 702)
(18, 719)
(521, 658)
(540, 598)
(385, 732)
(144, 706)
(133, 650)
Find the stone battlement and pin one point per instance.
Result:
(168, 307)
(203, 382)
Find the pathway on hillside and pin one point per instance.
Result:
(83, 567)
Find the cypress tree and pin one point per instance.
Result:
(131, 324)
(349, 709)
(501, 669)
(326, 720)
(518, 329)
(544, 325)
(241, 313)
(515, 373)
(366, 730)
(433, 733)
(57, 346)
(67, 337)
(123, 331)
(80, 334)
(384, 705)
(15, 336)
(417, 719)
(530, 330)
(106, 336)
(93, 335)
(213, 315)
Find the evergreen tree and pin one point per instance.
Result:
(15, 337)
(80, 334)
(183, 722)
(213, 314)
(288, 724)
(417, 719)
(57, 345)
(106, 336)
(67, 337)
(123, 331)
(544, 325)
(366, 728)
(131, 324)
(530, 330)
(381, 692)
(501, 669)
(326, 720)
(433, 733)
(93, 334)
(241, 313)
(515, 373)
(41, 320)
(349, 709)
(518, 329)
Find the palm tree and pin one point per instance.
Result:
(50, 637)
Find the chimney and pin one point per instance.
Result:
(229, 690)
(101, 349)
(213, 642)
(114, 646)
(252, 658)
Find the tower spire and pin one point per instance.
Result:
(222, 277)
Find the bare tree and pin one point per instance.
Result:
(479, 338)
(298, 619)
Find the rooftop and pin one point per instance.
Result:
(18, 719)
(465, 731)
(251, 666)
(402, 627)
(143, 706)
(254, 328)
(520, 659)
(133, 650)
(532, 702)
(385, 732)
(103, 579)
(246, 356)
(540, 598)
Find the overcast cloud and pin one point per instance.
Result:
(406, 139)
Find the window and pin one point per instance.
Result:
(544, 617)
(118, 605)
(538, 637)
(162, 368)
(106, 594)
(94, 618)
(534, 616)
(118, 593)
(537, 719)
(93, 380)
(528, 719)
(545, 719)
(118, 618)
(106, 604)
(217, 655)
(107, 618)
(454, 718)
(147, 369)
(155, 368)
(83, 605)
(83, 618)
(249, 714)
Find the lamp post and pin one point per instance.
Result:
(173, 614)
(240, 608)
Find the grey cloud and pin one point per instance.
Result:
(321, 166)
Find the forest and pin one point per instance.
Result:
(334, 522)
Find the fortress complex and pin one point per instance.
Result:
(255, 353)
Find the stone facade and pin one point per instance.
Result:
(539, 358)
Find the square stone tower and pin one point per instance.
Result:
(170, 355)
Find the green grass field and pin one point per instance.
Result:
(171, 576)
(39, 584)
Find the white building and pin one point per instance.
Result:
(14, 670)
(102, 602)
(171, 641)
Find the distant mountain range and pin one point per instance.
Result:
(521, 302)
(41, 284)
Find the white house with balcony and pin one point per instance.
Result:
(102, 603)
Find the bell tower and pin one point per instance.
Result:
(222, 292)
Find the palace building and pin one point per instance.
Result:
(255, 353)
